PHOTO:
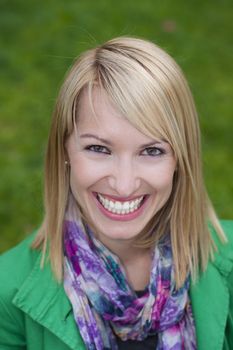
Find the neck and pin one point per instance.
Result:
(125, 249)
(136, 261)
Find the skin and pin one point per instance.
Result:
(121, 166)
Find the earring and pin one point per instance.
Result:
(67, 163)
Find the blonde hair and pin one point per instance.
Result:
(149, 89)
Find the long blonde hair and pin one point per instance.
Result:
(149, 89)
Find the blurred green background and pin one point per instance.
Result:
(38, 42)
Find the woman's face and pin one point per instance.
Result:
(120, 177)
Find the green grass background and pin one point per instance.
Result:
(38, 42)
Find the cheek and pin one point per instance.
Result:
(86, 171)
(83, 174)
(162, 178)
(80, 179)
(163, 189)
(166, 185)
(79, 184)
(76, 181)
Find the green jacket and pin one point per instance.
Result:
(35, 313)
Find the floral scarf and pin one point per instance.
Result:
(105, 305)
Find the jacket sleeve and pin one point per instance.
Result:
(11, 330)
(228, 228)
(228, 345)
(11, 318)
(15, 265)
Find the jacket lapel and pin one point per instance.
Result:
(45, 301)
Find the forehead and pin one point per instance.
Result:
(95, 108)
(97, 114)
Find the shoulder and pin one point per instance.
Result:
(220, 265)
(223, 258)
(227, 226)
(15, 265)
(224, 263)
(226, 250)
(212, 295)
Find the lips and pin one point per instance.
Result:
(118, 206)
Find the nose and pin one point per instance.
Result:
(124, 178)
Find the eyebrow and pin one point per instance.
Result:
(83, 136)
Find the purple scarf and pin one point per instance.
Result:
(104, 304)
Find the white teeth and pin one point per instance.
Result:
(125, 206)
(120, 207)
(131, 205)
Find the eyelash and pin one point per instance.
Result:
(105, 150)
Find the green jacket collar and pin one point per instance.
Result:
(44, 300)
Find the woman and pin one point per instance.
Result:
(131, 254)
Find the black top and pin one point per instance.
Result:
(150, 343)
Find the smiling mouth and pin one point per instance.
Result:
(120, 207)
